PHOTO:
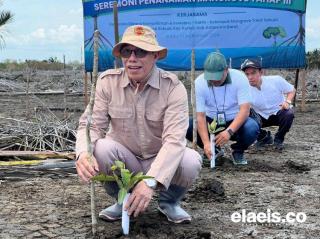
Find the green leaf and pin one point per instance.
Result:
(137, 175)
(212, 126)
(125, 177)
(121, 195)
(119, 164)
(209, 129)
(103, 178)
(137, 178)
(219, 129)
(119, 182)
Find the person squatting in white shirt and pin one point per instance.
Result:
(269, 101)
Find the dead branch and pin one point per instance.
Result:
(28, 155)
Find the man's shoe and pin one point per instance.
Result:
(266, 140)
(169, 204)
(112, 213)
(174, 212)
(278, 144)
(238, 159)
(218, 153)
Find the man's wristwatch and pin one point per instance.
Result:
(151, 182)
(230, 131)
(289, 102)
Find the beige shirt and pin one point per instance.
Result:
(152, 123)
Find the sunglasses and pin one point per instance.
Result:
(126, 52)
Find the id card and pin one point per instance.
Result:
(221, 118)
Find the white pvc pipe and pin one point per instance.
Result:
(125, 223)
(213, 151)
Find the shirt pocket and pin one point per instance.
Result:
(121, 118)
(154, 121)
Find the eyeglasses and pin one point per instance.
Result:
(126, 52)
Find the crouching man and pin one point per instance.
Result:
(147, 109)
(223, 94)
(269, 101)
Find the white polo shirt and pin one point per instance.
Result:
(266, 101)
(227, 97)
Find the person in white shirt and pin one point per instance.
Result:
(224, 94)
(272, 99)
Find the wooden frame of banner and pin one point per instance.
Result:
(116, 31)
(303, 88)
(303, 85)
(193, 100)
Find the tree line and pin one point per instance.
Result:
(313, 59)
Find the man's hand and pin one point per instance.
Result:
(222, 138)
(139, 199)
(207, 150)
(84, 169)
(285, 105)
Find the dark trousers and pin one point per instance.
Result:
(244, 137)
(283, 119)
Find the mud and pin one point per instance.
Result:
(42, 202)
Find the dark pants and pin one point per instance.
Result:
(244, 137)
(283, 119)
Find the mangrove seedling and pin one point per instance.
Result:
(212, 128)
(125, 180)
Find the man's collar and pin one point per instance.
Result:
(153, 79)
(124, 80)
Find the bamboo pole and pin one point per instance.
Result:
(296, 86)
(85, 89)
(116, 31)
(193, 101)
(89, 121)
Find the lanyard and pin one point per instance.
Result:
(224, 97)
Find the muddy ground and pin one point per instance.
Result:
(52, 203)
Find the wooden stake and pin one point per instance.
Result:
(85, 89)
(193, 100)
(303, 90)
(296, 86)
(89, 121)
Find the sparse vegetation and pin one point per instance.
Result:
(313, 59)
(50, 64)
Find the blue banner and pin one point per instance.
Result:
(272, 30)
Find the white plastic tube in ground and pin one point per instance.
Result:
(213, 151)
(125, 217)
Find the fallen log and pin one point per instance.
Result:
(35, 155)
(20, 162)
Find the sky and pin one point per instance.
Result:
(52, 28)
